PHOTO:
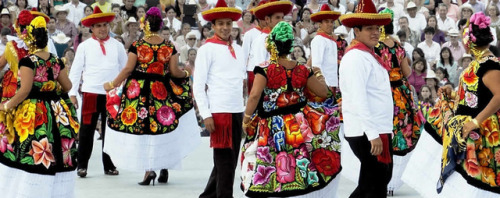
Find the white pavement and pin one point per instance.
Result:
(186, 183)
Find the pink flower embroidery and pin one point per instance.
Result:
(471, 99)
(304, 127)
(56, 69)
(41, 74)
(285, 165)
(143, 113)
(4, 142)
(42, 152)
(264, 155)
(165, 116)
(66, 146)
(263, 174)
(133, 89)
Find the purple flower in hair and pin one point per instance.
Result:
(480, 20)
(154, 11)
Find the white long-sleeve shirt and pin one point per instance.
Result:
(367, 104)
(324, 55)
(248, 41)
(95, 68)
(223, 75)
(260, 53)
(75, 13)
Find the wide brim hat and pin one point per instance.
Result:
(271, 7)
(61, 38)
(60, 8)
(5, 11)
(466, 6)
(131, 20)
(465, 56)
(221, 11)
(365, 14)
(36, 13)
(325, 13)
(97, 17)
(453, 32)
(431, 74)
(411, 5)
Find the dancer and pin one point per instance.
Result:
(408, 119)
(367, 105)
(468, 147)
(39, 126)
(97, 60)
(155, 126)
(221, 68)
(289, 145)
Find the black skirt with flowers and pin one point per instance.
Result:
(152, 101)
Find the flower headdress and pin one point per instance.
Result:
(24, 19)
(38, 22)
(144, 24)
(383, 36)
(281, 32)
(469, 40)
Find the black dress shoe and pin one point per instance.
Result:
(82, 172)
(151, 177)
(163, 178)
(112, 172)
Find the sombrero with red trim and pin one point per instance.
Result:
(36, 13)
(97, 17)
(365, 14)
(221, 11)
(325, 13)
(271, 7)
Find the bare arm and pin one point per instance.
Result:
(259, 84)
(64, 81)
(126, 71)
(317, 87)
(405, 67)
(24, 90)
(174, 68)
(3, 61)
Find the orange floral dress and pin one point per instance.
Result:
(152, 101)
(38, 136)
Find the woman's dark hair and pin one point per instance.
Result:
(428, 100)
(303, 53)
(444, 71)
(389, 28)
(420, 52)
(483, 36)
(48, 8)
(338, 3)
(429, 30)
(461, 23)
(41, 37)
(434, 17)
(114, 5)
(302, 12)
(154, 23)
(170, 8)
(450, 59)
(418, 60)
(178, 8)
(248, 12)
(283, 48)
(17, 4)
(91, 8)
(206, 26)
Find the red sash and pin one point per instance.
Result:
(101, 43)
(355, 44)
(217, 40)
(222, 137)
(324, 34)
(385, 156)
(266, 30)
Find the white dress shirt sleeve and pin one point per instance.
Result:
(247, 45)
(122, 56)
(200, 77)
(354, 78)
(318, 55)
(259, 50)
(75, 73)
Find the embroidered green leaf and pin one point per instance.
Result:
(27, 160)
(122, 127)
(65, 131)
(9, 155)
(134, 103)
(40, 131)
(158, 105)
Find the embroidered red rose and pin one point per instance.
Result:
(9, 84)
(158, 90)
(144, 54)
(299, 76)
(40, 114)
(326, 161)
(156, 68)
(263, 132)
(316, 120)
(164, 54)
(276, 76)
(287, 99)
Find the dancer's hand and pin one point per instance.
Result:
(377, 146)
(468, 127)
(209, 124)
(446, 90)
(74, 101)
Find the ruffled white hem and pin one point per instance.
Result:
(16, 183)
(400, 163)
(424, 169)
(154, 152)
(328, 191)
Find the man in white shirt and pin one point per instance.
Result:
(431, 49)
(412, 36)
(221, 68)
(75, 11)
(367, 104)
(456, 47)
(445, 23)
(248, 56)
(170, 21)
(97, 60)
(396, 8)
(324, 46)
(190, 44)
(416, 20)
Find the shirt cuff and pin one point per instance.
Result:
(206, 115)
(371, 135)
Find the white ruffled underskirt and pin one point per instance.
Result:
(351, 164)
(154, 152)
(328, 191)
(16, 183)
(424, 168)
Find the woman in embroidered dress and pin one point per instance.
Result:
(408, 119)
(467, 127)
(155, 125)
(290, 149)
(38, 126)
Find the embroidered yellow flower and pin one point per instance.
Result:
(25, 120)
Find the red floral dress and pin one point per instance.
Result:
(408, 118)
(11, 80)
(38, 136)
(152, 101)
(290, 148)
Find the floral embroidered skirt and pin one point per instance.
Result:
(156, 125)
(37, 147)
(408, 119)
(292, 154)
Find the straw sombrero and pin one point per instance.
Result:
(365, 14)
(272, 6)
(97, 17)
(36, 13)
(325, 13)
(221, 11)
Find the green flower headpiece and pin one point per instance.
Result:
(388, 11)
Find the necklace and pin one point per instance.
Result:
(151, 35)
